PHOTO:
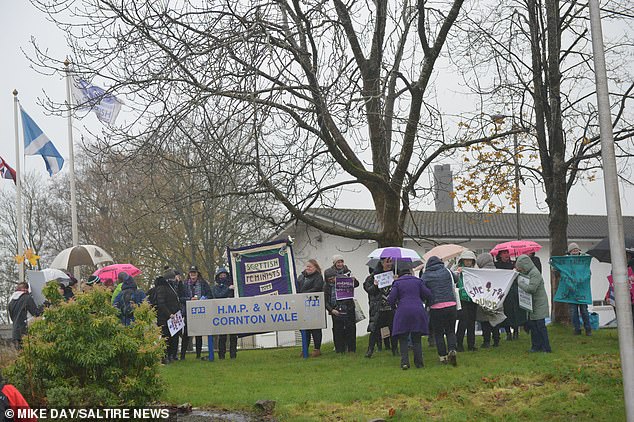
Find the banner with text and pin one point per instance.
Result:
(258, 314)
(265, 269)
(487, 287)
(574, 284)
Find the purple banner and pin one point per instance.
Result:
(265, 269)
(344, 288)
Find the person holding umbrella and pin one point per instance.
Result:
(381, 311)
(515, 316)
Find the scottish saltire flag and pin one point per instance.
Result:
(36, 142)
(574, 284)
(6, 171)
(90, 97)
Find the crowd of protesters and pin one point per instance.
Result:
(419, 305)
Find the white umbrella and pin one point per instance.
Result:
(55, 274)
(80, 255)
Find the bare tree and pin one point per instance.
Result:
(332, 96)
(530, 61)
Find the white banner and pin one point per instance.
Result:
(37, 281)
(488, 287)
(385, 279)
(176, 323)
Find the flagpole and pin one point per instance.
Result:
(615, 218)
(71, 159)
(18, 186)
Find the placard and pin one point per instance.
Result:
(344, 288)
(385, 279)
(176, 323)
(525, 299)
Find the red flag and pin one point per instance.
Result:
(6, 171)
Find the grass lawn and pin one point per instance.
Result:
(580, 380)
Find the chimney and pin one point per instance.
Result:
(443, 186)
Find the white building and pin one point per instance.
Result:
(475, 231)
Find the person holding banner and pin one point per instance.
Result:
(410, 319)
(515, 316)
(578, 309)
(223, 289)
(467, 313)
(485, 261)
(167, 306)
(339, 301)
(309, 281)
(531, 281)
(443, 311)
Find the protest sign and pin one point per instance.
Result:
(263, 269)
(176, 323)
(257, 314)
(385, 279)
(574, 283)
(525, 298)
(344, 288)
(487, 287)
(37, 281)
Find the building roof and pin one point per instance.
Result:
(472, 225)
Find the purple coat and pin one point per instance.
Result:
(408, 293)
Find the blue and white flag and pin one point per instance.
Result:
(90, 97)
(36, 142)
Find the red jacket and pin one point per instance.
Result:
(16, 401)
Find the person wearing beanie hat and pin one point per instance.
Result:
(222, 289)
(467, 313)
(344, 326)
(573, 249)
(336, 258)
(577, 309)
(121, 278)
(515, 315)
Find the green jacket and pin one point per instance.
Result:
(116, 292)
(534, 286)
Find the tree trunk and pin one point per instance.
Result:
(557, 227)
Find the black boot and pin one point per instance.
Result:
(369, 353)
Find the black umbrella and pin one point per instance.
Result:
(602, 250)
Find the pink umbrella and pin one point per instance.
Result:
(112, 271)
(517, 247)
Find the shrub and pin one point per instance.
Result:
(80, 355)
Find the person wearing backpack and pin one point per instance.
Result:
(129, 298)
(21, 308)
(12, 399)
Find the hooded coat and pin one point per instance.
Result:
(167, 302)
(532, 282)
(377, 298)
(136, 295)
(221, 289)
(439, 280)
(21, 308)
(408, 293)
(466, 255)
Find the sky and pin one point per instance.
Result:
(20, 21)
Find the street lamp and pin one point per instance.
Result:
(498, 120)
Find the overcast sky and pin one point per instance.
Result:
(19, 21)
